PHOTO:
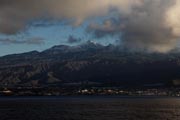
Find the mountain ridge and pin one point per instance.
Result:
(90, 62)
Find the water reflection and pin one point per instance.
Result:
(87, 108)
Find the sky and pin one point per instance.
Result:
(148, 25)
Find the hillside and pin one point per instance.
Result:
(91, 64)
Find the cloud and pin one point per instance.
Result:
(108, 27)
(15, 14)
(146, 28)
(173, 17)
(30, 41)
(72, 39)
(154, 26)
(140, 24)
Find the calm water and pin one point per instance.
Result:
(89, 108)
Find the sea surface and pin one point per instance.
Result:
(89, 108)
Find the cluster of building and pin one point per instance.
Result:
(89, 91)
(131, 92)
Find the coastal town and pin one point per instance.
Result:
(39, 91)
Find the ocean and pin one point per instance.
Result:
(89, 108)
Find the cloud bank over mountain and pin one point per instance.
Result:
(151, 25)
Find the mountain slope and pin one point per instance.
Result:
(89, 63)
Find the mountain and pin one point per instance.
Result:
(90, 64)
